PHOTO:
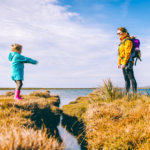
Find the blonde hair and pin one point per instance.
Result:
(122, 29)
(16, 47)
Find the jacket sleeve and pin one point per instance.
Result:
(24, 59)
(128, 49)
(119, 60)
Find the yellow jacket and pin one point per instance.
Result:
(124, 51)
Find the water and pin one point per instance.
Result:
(66, 96)
(143, 91)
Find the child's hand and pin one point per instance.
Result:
(37, 62)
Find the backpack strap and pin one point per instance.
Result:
(136, 60)
(123, 42)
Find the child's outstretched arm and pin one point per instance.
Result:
(24, 59)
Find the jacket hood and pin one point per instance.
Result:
(11, 55)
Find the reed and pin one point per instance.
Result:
(109, 92)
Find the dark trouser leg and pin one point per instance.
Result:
(19, 84)
(127, 81)
(132, 78)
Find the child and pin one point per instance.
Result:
(17, 67)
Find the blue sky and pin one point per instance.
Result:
(75, 41)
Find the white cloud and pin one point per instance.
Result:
(70, 53)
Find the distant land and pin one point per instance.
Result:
(145, 87)
(49, 88)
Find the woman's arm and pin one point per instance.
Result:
(119, 60)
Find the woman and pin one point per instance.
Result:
(125, 49)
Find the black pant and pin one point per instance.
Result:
(129, 75)
(19, 84)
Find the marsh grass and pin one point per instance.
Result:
(77, 108)
(9, 93)
(147, 93)
(33, 115)
(45, 94)
(20, 138)
(109, 92)
(11, 110)
(120, 124)
(113, 120)
(106, 93)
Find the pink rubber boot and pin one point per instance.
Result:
(17, 93)
(20, 97)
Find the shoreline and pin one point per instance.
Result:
(49, 88)
(62, 88)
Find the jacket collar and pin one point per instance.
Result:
(124, 37)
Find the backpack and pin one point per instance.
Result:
(135, 49)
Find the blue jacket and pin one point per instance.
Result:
(17, 65)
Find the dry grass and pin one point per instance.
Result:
(106, 93)
(113, 120)
(9, 93)
(109, 91)
(77, 108)
(119, 124)
(33, 112)
(21, 112)
(19, 138)
(45, 94)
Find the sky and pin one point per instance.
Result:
(75, 41)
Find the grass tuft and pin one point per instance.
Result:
(9, 93)
(45, 94)
(19, 138)
(109, 91)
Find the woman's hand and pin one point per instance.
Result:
(123, 66)
(119, 66)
